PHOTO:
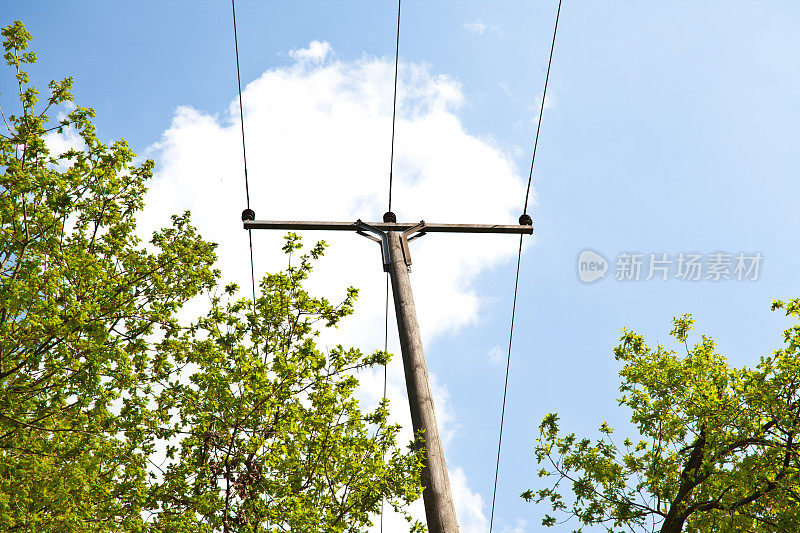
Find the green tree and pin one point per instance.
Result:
(82, 306)
(273, 434)
(117, 416)
(717, 450)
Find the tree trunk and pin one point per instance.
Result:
(673, 524)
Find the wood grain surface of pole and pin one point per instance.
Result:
(439, 510)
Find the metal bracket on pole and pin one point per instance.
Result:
(414, 231)
(410, 234)
(383, 240)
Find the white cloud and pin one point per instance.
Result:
(60, 143)
(479, 28)
(469, 504)
(549, 102)
(318, 138)
(497, 354)
(316, 52)
(518, 527)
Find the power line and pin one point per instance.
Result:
(385, 351)
(386, 333)
(516, 277)
(505, 386)
(394, 103)
(248, 213)
(541, 108)
(388, 216)
(241, 112)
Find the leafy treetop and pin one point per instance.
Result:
(718, 447)
(117, 416)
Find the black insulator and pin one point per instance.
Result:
(525, 220)
(248, 214)
(388, 216)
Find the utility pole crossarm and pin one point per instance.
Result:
(388, 226)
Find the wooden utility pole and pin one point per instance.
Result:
(393, 238)
(439, 510)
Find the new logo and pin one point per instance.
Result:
(591, 266)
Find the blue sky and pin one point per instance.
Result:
(669, 127)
